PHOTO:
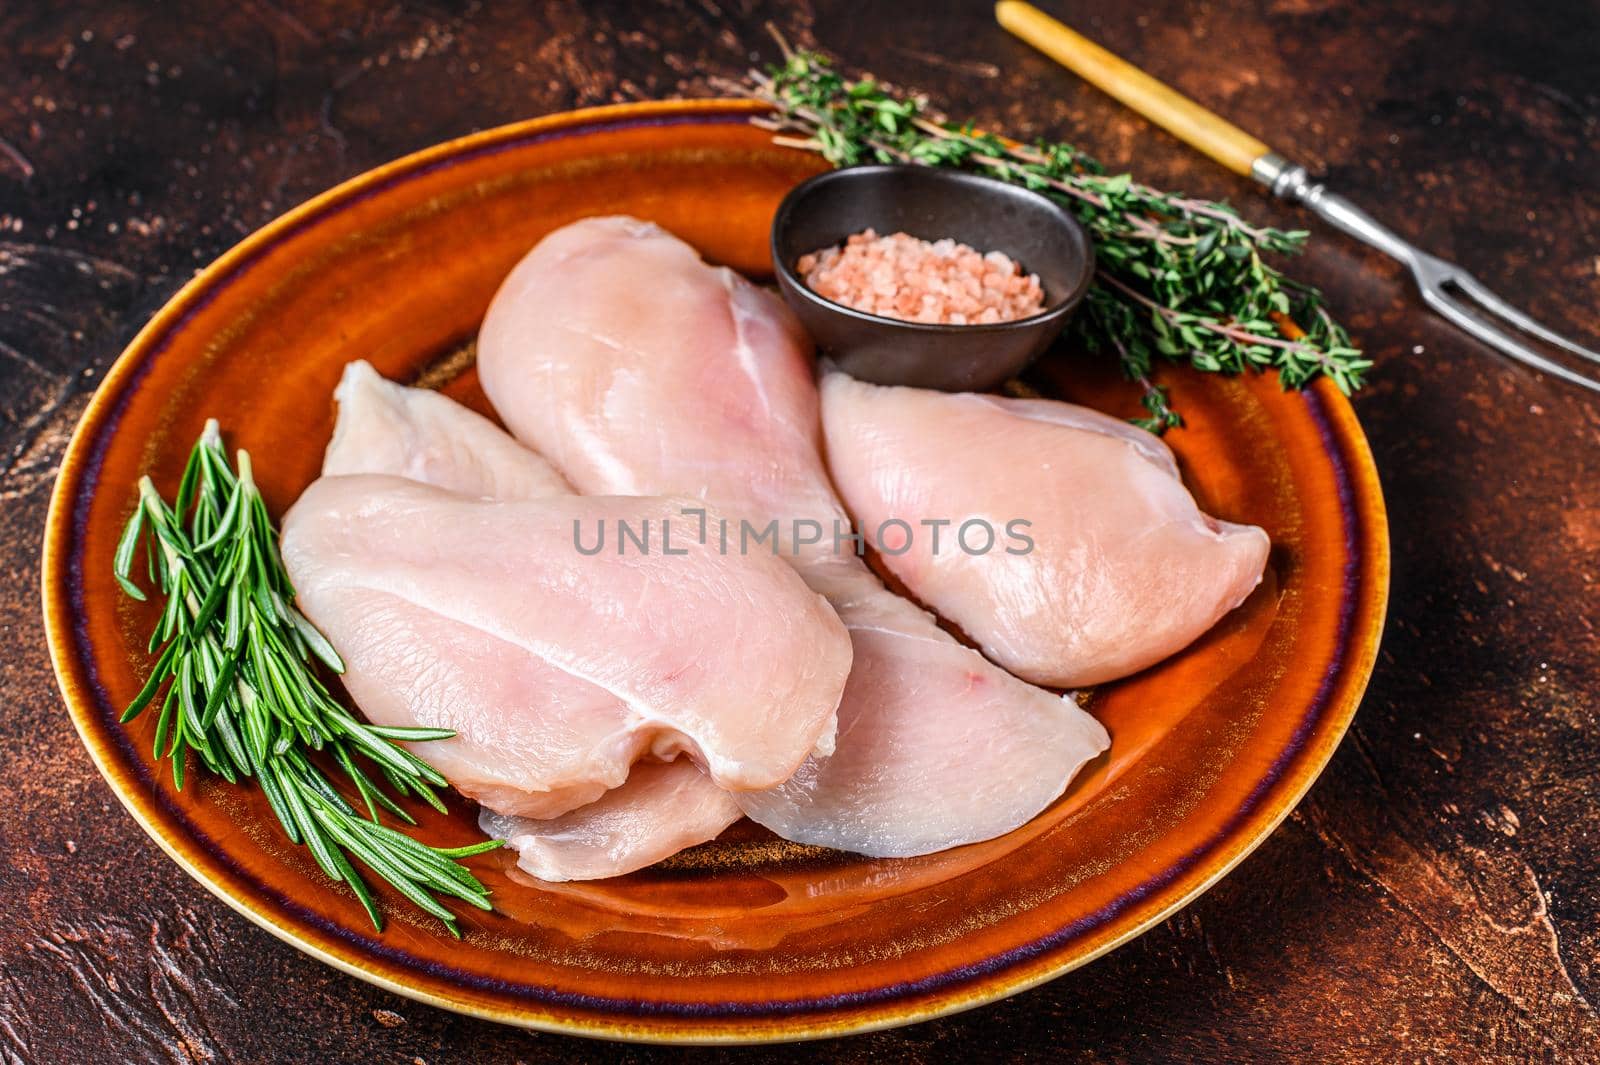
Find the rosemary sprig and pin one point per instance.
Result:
(235, 658)
(1177, 278)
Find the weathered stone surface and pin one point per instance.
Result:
(1437, 895)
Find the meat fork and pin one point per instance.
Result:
(1449, 290)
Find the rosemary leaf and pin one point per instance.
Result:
(239, 665)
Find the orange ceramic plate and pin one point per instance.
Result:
(747, 938)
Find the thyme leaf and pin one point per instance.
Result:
(1177, 278)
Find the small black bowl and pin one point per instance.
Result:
(931, 204)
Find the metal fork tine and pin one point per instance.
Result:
(1480, 294)
(1498, 338)
(1432, 274)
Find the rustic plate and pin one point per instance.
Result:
(746, 938)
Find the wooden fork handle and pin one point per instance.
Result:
(1167, 108)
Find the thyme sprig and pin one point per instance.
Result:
(1177, 278)
(236, 661)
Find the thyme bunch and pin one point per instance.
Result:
(236, 659)
(1177, 278)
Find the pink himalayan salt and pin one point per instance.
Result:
(901, 276)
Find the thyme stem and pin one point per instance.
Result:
(1177, 278)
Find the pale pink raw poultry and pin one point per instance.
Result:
(563, 669)
(663, 808)
(532, 738)
(634, 367)
(1123, 570)
(425, 436)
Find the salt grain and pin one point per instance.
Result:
(943, 282)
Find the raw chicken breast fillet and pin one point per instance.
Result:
(730, 659)
(635, 367)
(1123, 570)
(387, 428)
(663, 808)
(428, 437)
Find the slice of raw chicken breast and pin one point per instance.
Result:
(660, 809)
(424, 436)
(1124, 568)
(498, 755)
(663, 808)
(730, 659)
(936, 746)
(635, 367)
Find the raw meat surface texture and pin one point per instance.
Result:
(533, 739)
(635, 367)
(661, 809)
(1119, 568)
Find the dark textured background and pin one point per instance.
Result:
(1438, 893)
